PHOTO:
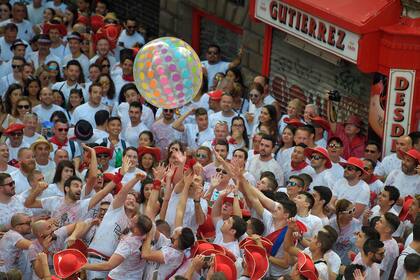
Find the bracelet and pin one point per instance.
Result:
(157, 184)
(196, 201)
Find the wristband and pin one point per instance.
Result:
(196, 201)
(157, 184)
(117, 178)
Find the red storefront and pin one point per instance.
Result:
(316, 45)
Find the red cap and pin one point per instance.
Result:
(413, 153)
(265, 242)
(109, 32)
(207, 230)
(319, 150)
(355, 120)
(13, 128)
(215, 94)
(321, 122)
(80, 246)
(306, 266)
(225, 265)
(49, 26)
(408, 200)
(149, 150)
(83, 19)
(357, 162)
(201, 246)
(103, 150)
(257, 261)
(68, 262)
(229, 199)
(294, 122)
(110, 177)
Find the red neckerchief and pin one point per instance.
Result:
(372, 179)
(58, 143)
(128, 78)
(256, 153)
(299, 166)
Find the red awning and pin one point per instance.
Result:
(358, 16)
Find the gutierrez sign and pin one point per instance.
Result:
(309, 28)
(398, 107)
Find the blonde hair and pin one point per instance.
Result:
(299, 105)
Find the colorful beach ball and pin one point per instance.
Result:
(168, 72)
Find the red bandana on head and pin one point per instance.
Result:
(128, 78)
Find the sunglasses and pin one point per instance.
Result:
(214, 53)
(11, 184)
(254, 96)
(316, 157)
(106, 65)
(351, 211)
(17, 66)
(218, 170)
(16, 134)
(63, 129)
(292, 184)
(102, 156)
(23, 107)
(131, 27)
(52, 68)
(370, 151)
(351, 168)
(334, 146)
(167, 110)
(200, 156)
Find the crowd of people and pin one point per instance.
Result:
(95, 183)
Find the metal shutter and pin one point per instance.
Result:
(295, 73)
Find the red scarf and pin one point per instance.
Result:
(57, 142)
(128, 78)
(372, 179)
(298, 166)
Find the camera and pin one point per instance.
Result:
(334, 95)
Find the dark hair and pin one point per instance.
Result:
(11, 26)
(214, 46)
(144, 223)
(309, 128)
(257, 226)
(114, 119)
(289, 207)
(267, 174)
(111, 92)
(371, 162)
(63, 104)
(307, 179)
(309, 198)
(129, 149)
(243, 151)
(200, 112)
(348, 272)
(296, 177)
(372, 246)
(60, 167)
(68, 182)
(78, 92)
(244, 133)
(101, 117)
(280, 196)
(7, 97)
(269, 138)
(186, 239)
(28, 81)
(302, 145)
(151, 136)
(74, 62)
(328, 238)
(222, 142)
(73, 10)
(146, 181)
(136, 104)
(375, 143)
(394, 193)
(58, 76)
(273, 120)
(60, 115)
(324, 193)
(336, 139)
(124, 89)
(237, 72)
(412, 263)
(392, 220)
(416, 228)
(4, 176)
(239, 225)
(370, 232)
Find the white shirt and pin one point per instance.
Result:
(147, 115)
(321, 266)
(21, 181)
(65, 88)
(110, 230)
(9, 253)
(87, 112)
(83, 60)
(62, 7)
(324, 178)
(35, 15)
(337, 171)
(31, 139)
(132, 266)
(218, 117)
(25, 31)
(400, 272)
(389, 163)
(128, 41)
(132, 133)
(358, 193)
(391, 253)
(9, 169)
(312, 223)
(6, 53)
(48, 170)
(65, 213)
(195, 138)
(257, 166)
(60, 52)
(5, 82)
(213, 69)
(288, 171)
(371, 272)
(172, 260)
(14, 206)
(34, 57)
(44, 114)
(406, 184)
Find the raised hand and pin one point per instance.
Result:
(126, 165)
(180, 157)
(42, 186)
(141, 175)
(87, 148)
(215, 180)
(159, 171)
(188, 178)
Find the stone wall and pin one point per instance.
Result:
(176, 20)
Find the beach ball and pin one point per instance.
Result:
(167, 72)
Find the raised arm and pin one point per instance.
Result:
(200, 216)
(180, 208)
(146, 250)
(159, 174)
(237, 60)
(93, 169)
(216, 211)
(179, 123)
(32, 200)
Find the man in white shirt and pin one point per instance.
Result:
(130, 37)
(18, 48)
(164, 132)
(30, 120)
(4, 159)
(135, 126)
(88, 110)
(226, 114)
(298, 164)
(386, 226)
(6, 42)
(42, 149)
(14, 134)
(214, 64)
(25, 31)
(264, 81)
(16, 77)
(73, 71)
(375, 185)
(56, 31)
(373, 152)
(335, 149)
(265, 161)
(35, 12)
(387, 198)
(74, 41)
(304, 203)
(393, 161)
(46, 108)
(197, 133)
(352, 187)
(370, 257)
(321, 163)
(27, 164)
(43, 55)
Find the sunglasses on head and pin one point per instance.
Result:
(200, 156)
(52, 67)
(23, 107)
(351, 211)
(11, 184)
(218, 170)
